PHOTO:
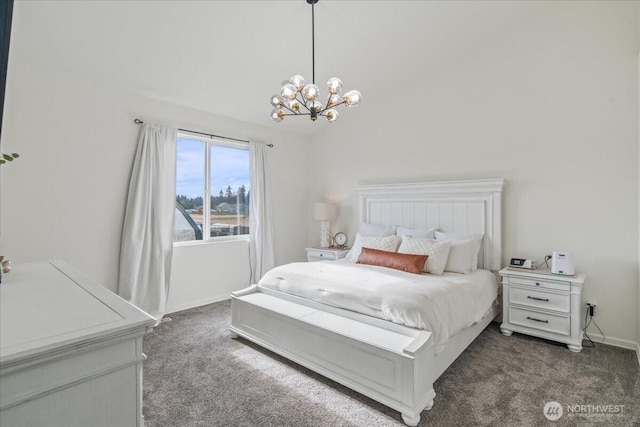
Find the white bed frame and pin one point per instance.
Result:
(387, 362)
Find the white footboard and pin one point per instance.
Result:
(387, 362)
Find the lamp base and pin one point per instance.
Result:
(325, 235)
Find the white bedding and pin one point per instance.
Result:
(443, 305)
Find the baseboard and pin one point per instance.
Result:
(616, 342)
(198, 303)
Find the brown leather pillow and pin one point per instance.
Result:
(405, 262)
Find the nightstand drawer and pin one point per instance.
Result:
(326, 254)
(558, 285)
(540, 299)
(321, 256)
(556, 324)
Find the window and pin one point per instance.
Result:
(212, 189)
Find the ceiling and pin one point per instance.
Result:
(229, 57)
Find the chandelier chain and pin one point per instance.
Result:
(313, 44)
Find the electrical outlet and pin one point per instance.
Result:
(591, 307)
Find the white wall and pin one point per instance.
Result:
(64, 198)
(551, 105)
(195, 280)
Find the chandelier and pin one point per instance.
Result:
(300, 98)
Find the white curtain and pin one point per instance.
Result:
(260, 224)
(147, 235)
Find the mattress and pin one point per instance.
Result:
(443, 305)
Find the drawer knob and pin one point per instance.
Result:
(537, 284)
(537, 320)
(539, 299)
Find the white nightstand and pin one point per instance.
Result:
(535, 302)
(325, 254)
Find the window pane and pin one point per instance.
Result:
(229, 191)
(189, 190)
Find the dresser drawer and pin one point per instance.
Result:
(557, 324)
(540, 299)
(558, 285)
(321, 256)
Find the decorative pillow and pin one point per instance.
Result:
(438, 252)
(417, 232)
(470, 236)
(369, 229)
(462, 255)
(404, 262)
(383, 243)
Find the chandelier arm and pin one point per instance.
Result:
(332, 106)
(301, 101)
(297, 114)
(289, 110)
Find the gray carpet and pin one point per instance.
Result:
(196, 375)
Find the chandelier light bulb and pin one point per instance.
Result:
(310, 92)
(277, 101)
(352, 98)
(277, 115)
(333, 99)
(288, 91)
(294, 105)
(334, 85)
(314, 105)
(332, 115)
(298, 81)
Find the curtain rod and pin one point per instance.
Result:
(139, 122)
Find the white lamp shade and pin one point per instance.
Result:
(325, 211)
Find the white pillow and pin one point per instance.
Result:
(462, 255)
(417, 232)
(457, 237)
(383, 243)
(438, 252)
(370, 229)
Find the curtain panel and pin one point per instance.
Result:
(147, 235)
(260, 224)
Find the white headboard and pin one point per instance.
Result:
(473, 206)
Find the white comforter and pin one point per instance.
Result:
(442, 305)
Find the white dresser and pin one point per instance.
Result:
(70, 351)
(543, 305)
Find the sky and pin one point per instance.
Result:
(229, 166)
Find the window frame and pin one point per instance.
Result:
(206, 202)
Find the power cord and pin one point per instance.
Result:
(587, 324)
(546, 260)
